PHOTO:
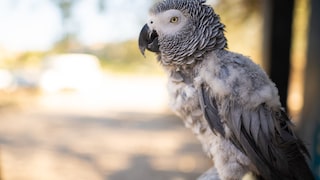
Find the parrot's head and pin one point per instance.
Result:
(182, 31)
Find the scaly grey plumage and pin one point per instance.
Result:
(202, 35)
(227, 100)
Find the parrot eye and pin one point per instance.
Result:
(174, 19)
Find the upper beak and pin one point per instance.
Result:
(148, 40)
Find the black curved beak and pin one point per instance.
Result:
(148, 40)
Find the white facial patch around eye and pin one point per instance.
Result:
(163, 23)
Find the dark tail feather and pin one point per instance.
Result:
(298, 164)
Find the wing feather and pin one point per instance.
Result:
(262, 134)
(265, 121)
(255, 125)
(210, 109)
(246, 124)
(236, 115)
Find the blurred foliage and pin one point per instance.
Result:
(102, 5)
(243, 20)
(122, 57)
(66, 44)
(65, 8)
(244, 24)
(125, 57)
(238, 11)
(22, 60)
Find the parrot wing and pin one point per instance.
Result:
(263, 135)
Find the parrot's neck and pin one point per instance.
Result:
(171, 54)
(183, 75)
(187, 64)
(186, 72)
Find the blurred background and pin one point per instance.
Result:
(79, 101)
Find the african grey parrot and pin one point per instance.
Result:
(227, 100)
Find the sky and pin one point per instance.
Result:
(36, 24)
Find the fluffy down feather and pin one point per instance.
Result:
(227, 100)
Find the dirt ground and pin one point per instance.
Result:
(121, 131)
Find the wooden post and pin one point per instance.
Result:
(309, 128)
(278, 22)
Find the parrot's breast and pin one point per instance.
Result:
(184, 101)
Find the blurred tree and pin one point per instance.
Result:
(310, 124)
(123, 57)
(238, 11)
(65, 7)
(243, 20)
(102, 5)
(278, 21)
(69, 37)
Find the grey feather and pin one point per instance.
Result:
(237, 121)
(255, 127)
(265, 122)
(210, 174)
(246, 120)
(209, 107)
(227, 100)
(177, 77)
(196, 39)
